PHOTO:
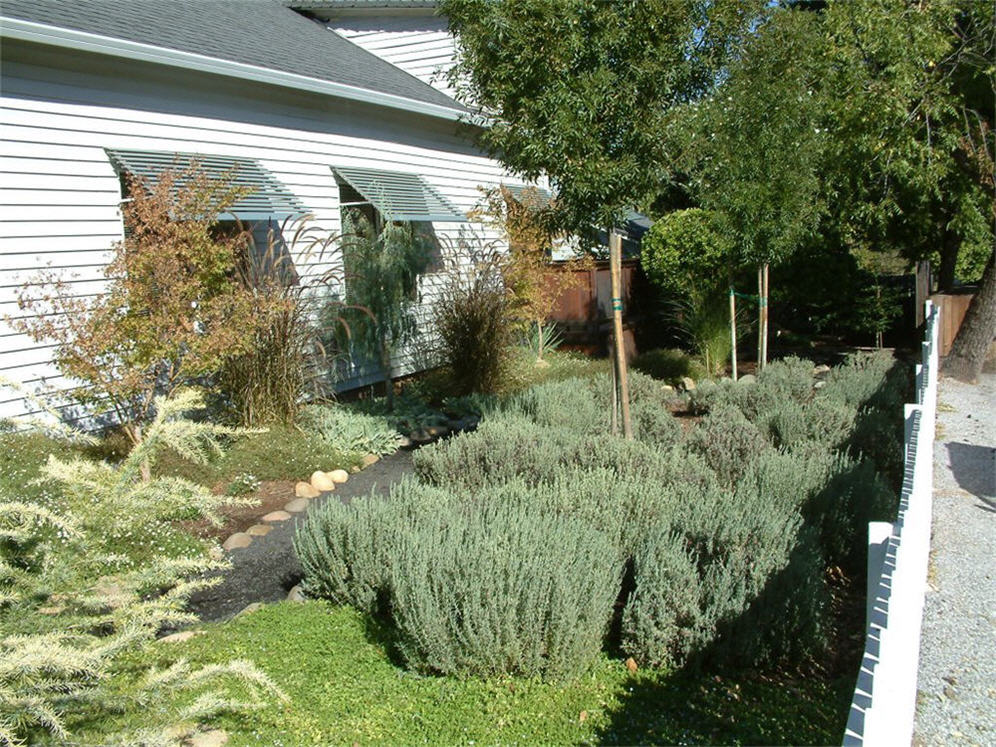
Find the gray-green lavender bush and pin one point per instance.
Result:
(502, 588)
(728, 531)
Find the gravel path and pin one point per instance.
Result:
(957, 678)
(267, 569)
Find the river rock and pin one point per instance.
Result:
(321, 481)
(306, 490)
(338, 475)
(688, 383)
(369, 459)
(297, 505)
(237, 541)
(259, 530)
(276, 516)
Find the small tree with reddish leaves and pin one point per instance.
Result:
(172, 310)
(535, 285)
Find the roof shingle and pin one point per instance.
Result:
(264, 33)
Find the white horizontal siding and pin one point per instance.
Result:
(59, 196)
(420, 45)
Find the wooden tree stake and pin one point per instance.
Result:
(615, 269)
(764, 312)
(733, 331)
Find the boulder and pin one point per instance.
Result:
(820, 370)
(354, 469)
(338, 475)
(321, 481)
(297, 505)
(237, 541)
(404, 442)
(296, 594)
(306, 490)
(688, 383)
(276, 516)
(437, 431)
(819, 385)
(259, 530)
(369, 459)
(250, 608)
(747, 379)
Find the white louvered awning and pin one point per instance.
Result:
(399, 196)
(268, 199)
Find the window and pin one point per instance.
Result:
(390, 196)
(262, 211)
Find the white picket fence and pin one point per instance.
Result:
(884, 702)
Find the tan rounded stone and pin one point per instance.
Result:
(369, 459)
(338, 475)
(306, 490)
(354, 469)
(321, 481)
(259, 530)
(236, 541)
(276, 516)
(297, 505)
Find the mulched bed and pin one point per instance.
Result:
(267, 569)
(272, 495)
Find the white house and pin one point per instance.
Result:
(95, 88)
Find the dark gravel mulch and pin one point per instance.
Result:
(267, 569)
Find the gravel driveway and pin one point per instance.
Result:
(957, 678)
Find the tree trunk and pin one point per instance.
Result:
(949, 261)
(968, 353)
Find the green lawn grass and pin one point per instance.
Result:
(344, 687)
(279, 453)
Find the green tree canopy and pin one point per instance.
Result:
(687, 253)
(753, 147)
(581, 90)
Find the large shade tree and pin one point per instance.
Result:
(581, 90)
(911, 96)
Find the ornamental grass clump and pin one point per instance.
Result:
(503, 588)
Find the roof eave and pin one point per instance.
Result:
(15, 28)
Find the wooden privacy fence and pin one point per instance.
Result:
(583, 310)
(953, 307)
(884, 702)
